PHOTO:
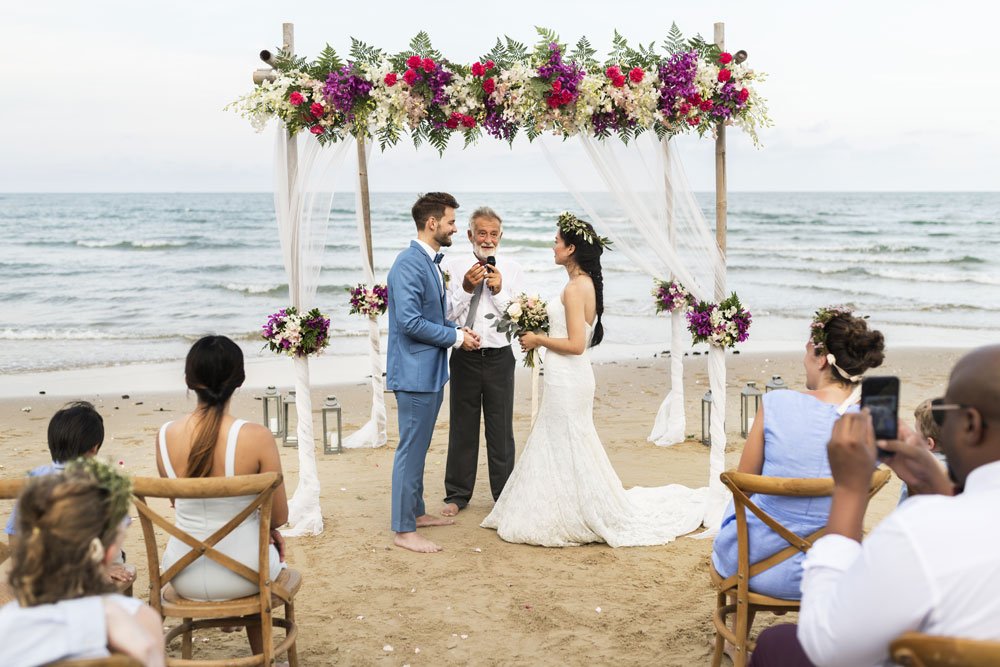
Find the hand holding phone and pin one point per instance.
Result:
(880, 395)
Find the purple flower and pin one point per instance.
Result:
(344, 90)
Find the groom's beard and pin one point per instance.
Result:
(443, 239)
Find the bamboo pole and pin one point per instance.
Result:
(366, 208)
(292, 157)
(720, 178)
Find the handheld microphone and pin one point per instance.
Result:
(490, 261)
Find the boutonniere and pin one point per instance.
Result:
(446, 275)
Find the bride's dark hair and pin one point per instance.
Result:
(588, 248)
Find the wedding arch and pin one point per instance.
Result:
(640, 96)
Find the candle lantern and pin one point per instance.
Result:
(775, 383)
(749, 405)
(706, 418)
(290, 438)
(271, 401)
(332, 407)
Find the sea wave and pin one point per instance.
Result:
(135, 245)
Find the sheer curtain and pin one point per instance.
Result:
(654, 219)
(304, 173)
(372, 434)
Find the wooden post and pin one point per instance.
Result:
(366, 208)
(720, 179)
(292, 156)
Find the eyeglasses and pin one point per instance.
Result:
(939, 407)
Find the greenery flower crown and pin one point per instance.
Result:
(117, 486)
(570, 224)
(820, 320)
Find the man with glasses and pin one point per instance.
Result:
(933, 565)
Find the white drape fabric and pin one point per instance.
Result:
(654, 219)
(373, 433)
(304, 173)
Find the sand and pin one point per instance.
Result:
(481, 601)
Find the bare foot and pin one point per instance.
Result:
(450, 509)
(431, 520)
(415, 542)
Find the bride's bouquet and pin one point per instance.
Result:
(524, 313)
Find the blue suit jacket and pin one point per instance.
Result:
(419, 333)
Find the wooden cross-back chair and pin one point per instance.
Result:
(116, 660)
(10, 489)
(733, 594)
(252, 610)
(914, 649)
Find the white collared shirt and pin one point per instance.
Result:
(459, 334)
(932, 566)
(459, 300)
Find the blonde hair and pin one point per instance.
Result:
(924, 419)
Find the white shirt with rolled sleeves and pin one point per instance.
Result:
(459, 334)
(459, 300)
(932, 566)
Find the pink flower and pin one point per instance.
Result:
(706, 105)
(636, 74)
(618, 81)
(490, 64)
(684, 109)
(468, 121)
(478, 69)
(409, 76)
(295, 99)
(452, 122)
(693, 120)
(556, 86)
(316, 109)
(725, 58)
(613, 71)
(413, 62)
(565, 97)
(724, 75)
(390, 79)
(316, 129)
(489, 85)
(694, 99)
(744, 94)
(428, 65)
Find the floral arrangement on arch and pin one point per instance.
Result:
(671, 295)
(723, 324)
(369, 302)
(296, 334)
(685, 85)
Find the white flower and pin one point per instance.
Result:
(514, 311)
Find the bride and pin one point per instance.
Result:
(564, 491)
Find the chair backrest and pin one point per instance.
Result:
(744, 485)
(918, 650)
(114, 660)
(261, 486)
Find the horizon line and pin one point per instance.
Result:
(532, 192)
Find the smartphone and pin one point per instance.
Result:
(881, 396)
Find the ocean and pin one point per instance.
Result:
(100, 279)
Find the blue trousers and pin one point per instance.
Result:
(417, 412)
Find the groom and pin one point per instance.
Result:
(419, 338)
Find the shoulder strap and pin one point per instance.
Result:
(850, 400)
(234, 434)
(164, 454)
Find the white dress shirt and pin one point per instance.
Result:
(459, 334)
(38, 635)
(459, 300)
(932, 566)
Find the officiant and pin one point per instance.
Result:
(480, 283)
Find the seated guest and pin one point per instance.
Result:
(788, 439)
(74, 431)
(931, 566)
(927, 428)
(210, 442)
(70, 527)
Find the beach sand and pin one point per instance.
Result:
(481, 601)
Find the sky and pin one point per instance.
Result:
(125, 96)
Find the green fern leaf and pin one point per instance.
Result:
(328, 61)
(674, 43)
(286, 62)
(516, 51)
(362, 53)
(584, 53)
(497, 54)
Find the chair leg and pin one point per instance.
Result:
(293, 652)
(186, 642)
(742, 631)
(720, 641)
(267, 634)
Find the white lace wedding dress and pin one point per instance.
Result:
(564, 491)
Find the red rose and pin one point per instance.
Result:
(725, 58)
(744, 94)
(428, 65)
(489, 85)
(390, 79)
(409, 76)
(618, 81)
(685, 108)
(636, 74)
(295, 99)
(565, 97)
(613, 72)
(468, 121)
(706, 105)
(694, 120)
(694, 99)
(490, 64)
(552, 101)
(316, 129)
(556, 86)
(724, 75)
(451, 123)
(316, 109)
(478, 69)
(413, 62)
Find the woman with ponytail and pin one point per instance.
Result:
(211, 442)
(564, 490)
(70, 527)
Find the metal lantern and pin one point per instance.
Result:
(775, 383)
(749, 406)
(706, 418)
(332, 407)
(271, 401)
(290, 438)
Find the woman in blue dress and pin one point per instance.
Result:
(789, 438)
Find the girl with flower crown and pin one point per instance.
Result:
(789, 438)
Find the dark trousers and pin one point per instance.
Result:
(482, 381)
(779, 647)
